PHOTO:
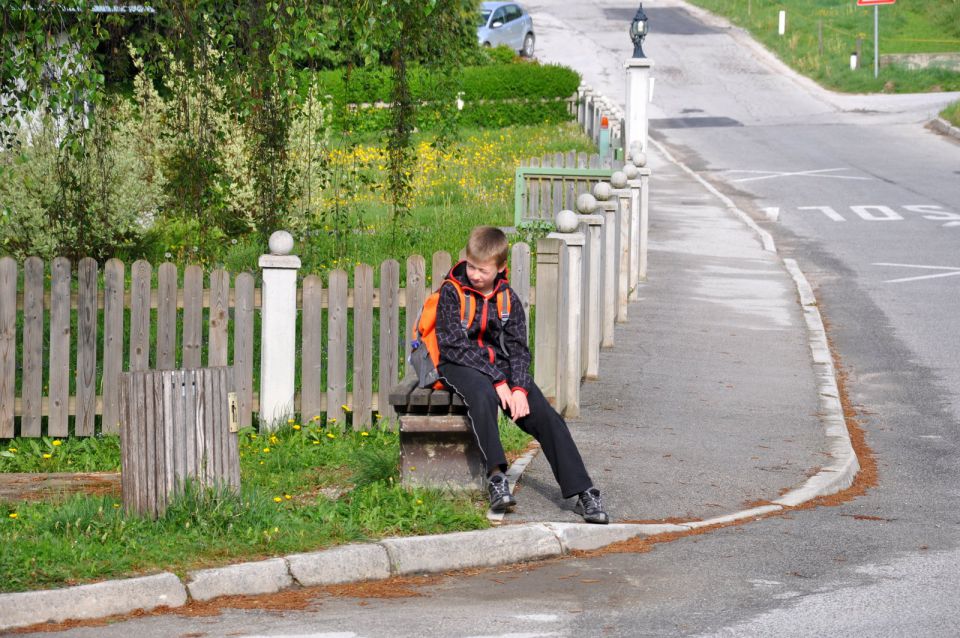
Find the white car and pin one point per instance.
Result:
(506, 23)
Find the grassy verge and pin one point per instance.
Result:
(305, 487)
(922, 26)
(952, 114)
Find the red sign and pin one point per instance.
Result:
(870, 3)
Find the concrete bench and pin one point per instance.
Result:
(437, 446)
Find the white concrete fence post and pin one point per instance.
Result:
(546, 334)
(608, 209)
(638, 98)
(622, 195)
(569, 362)
(278, 330)
(592, 226)
(634, 184)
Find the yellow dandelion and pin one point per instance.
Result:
(316, 442)
(12, 515)
(47, 456)
(277, 499)
(331, 435)
(58, 443)
(274, 439)
(296, 427)
(287, 497)
(419, 501)
(266, 449)
(12, 449)
(261, 462)
(364, 434)
(346, 408)
(291, 421)
(116, 506)
(316, 418)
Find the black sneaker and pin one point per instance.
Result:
(590, 507)
(500, 498)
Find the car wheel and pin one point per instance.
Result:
(528, 43)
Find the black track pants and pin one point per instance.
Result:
(543, 423)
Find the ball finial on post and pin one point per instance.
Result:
(586, 204)
(280, 243)
(567, 221)
(602, 191)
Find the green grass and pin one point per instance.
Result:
(919, 26)
(305, 487)
(952, 114)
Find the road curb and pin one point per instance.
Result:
(942, 126)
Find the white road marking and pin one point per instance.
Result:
(773, 213)
(826, 210)
(759, 175)
(883, 213)
(951, 272)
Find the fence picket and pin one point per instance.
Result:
(32, 385)
(8, 345)
(389, 338)
(219, 318)
(439, 268)
(533, 194)
(414, 295)
(311, 349)
(192, 317)
(59, 364)
(242, 381)
(166, 316)
(337, 345)
(113, 284)
(520, 276)
(363, 346)
(86, 403)
(140, 316)
(559, 202)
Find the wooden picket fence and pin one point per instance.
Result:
(78, 334)
(544, 186)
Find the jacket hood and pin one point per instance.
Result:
(459, 273)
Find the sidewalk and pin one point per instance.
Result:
(708, 402)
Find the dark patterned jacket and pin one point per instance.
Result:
(498, 350)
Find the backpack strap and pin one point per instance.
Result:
(504, 304)
(468, 305)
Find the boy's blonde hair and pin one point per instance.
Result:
(488, 243)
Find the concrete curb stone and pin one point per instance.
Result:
(261, 577)
(91, 601)
(941, 125)
(460, 550)
(579, 537)
(338, 565)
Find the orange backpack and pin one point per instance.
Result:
(425, 351)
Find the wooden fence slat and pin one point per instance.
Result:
(583, 160)
(414, 297)
(595, 161)
(166, 317)
(193, 436)
(439, 268)
(571, 160)
(363, 346)
(533, 194)
(243, 347)
(233, 438)
(520, 276)
(180, 433)
(8, 345)
(168, 439)
(337, 345)
(389, 334)
(58, 423)
(140, 315)
(32, 385)
(86, 385)
(191, 344)
(219, 318)
(311, 349)
(113, 341)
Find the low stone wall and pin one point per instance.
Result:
(923, 60)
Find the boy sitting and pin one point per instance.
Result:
(487, 363)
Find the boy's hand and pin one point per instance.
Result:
(503, 393)
(519, 407)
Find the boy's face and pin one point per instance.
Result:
(482, 273)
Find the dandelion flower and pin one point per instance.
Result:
(12, 515)
(277, 499)
(58, 443)
(287, 497)
(346, 408)
(13, 449)
(296, 427)
(266, 449)
(419, 501)
(291, 421)
(316, 417)
(274, 439)
(364, 434)
(331, 435)
(116, 506)
(47, 456)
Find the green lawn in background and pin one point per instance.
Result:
(909, 26)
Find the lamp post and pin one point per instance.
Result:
(638, 31)
(638, 84)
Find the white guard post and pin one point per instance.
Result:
(592, 226)
(569, 373)
(625, 248)
(608, 208)
(278, 330)
(638, 99)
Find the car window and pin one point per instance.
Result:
(513, 12)
(484, 16)
(498, 15)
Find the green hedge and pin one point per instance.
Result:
(494, 96)
(477, 83)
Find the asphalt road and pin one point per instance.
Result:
(864, 198)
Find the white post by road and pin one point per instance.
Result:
(625, 248)
(547, 334)
(593, 281)
(278, 330)
(638, 99)
(568, 366)
(608, 208)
